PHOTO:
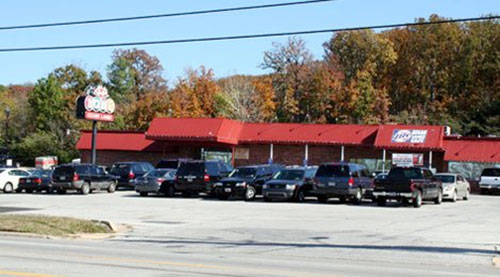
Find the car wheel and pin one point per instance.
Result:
(300, 196)
(358, 197)
(381, 202)
(439, 198)
(186, 194)
(454, 196)
(267, 199)
(342, 199)
(143, 193)
(85, 189)
(417, 199)
(223, 197)
(250, 193)
(61, 191)
(170, 191)
(484, 191)
(112, 187)
(466, 196)
(29, 191)
(19, 190)
(50, 190)
(8, 188)
(322, 199)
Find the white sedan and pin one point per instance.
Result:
(455, 186)
(9, 178)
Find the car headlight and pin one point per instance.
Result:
(290, 187)
(218, 184)
(242, 184)
(265, 186)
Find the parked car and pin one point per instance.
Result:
(172, 163)
(198, 176)
(454, 186)
(343, 181)
(9, 178)
(408, 183)
(159, 180)
(127, 172)
(83, 178)
(490, 180)
(245, 181)
(381, 176)
(39, 180)
(291, 183)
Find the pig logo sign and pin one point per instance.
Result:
(95, 105)
(408, 136)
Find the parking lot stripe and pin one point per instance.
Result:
(25, 274)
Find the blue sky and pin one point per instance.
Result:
(224, 57)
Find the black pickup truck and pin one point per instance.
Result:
(405, 183)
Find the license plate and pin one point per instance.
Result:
(62, 178)
(189, 179)
(227, 189)
(332, 184)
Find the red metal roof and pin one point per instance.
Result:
(486, 150)
(413, 137)
(116, 140)
(294, 133)
(195, 129)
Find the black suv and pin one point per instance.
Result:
(127, 172)
(84, 178)
(343, 181)
(172, 163)
(291, 183)
(197, 176)
(245, 181)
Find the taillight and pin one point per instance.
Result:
(22, 180)
(159, 181)
(76, 177)
(350, 182)
(131, 175)
(413, 185)
(206, 178)
(176, 178)
(38, 180)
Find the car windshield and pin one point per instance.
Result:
(333, 171)
(289, 174)
(445, 178)
(243, 172)
(493, 172)
(120, 169)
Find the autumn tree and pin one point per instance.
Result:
(133, 73)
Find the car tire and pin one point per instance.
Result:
(439, 199)
(417, 199)
(222, 197)
(466, 196)
(342, 199)
(19, 190)
(170, 191)
(484, 191)
(112, 187)
(143, 193)
(300, 197)
(381, 202)
(267, 199)
(8, 188)
(454, 196)
(250, 193)
(186, 194)
(358, 197)
(61, 191)
(29, 191)
(322, 199)
(85, 189)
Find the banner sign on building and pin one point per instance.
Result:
(402, 159)
(408, 136)
(95, 105)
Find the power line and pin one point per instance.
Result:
(108, 20)
(45, 48)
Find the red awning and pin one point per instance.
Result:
(410, 137)
(195, 129)
(117, 140)
(480, 150)
(294, 133)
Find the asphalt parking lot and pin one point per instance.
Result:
(451, 238)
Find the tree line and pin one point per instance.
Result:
(443, 74)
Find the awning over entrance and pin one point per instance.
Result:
(482, 150)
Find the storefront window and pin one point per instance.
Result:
(373, 165)
(470, 170)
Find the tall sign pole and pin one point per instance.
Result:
(95, 105)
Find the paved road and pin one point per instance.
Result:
(203, 237)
